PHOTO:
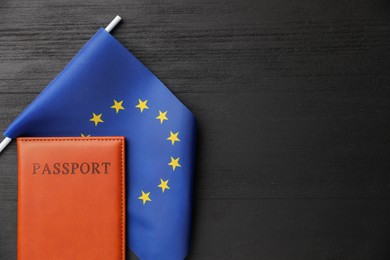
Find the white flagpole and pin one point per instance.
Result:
(113, 23)
(4, 143)
(109, 28)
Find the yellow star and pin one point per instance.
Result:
(142, 105)
(144, 197)
(118, 106)
(96, 119)
(82, 135)
(162, 116)
(173, 137)
(163, 185)
(174, 163)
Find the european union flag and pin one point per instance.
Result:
(105, 90)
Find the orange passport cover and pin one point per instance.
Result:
(71, 198)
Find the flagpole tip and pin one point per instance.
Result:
(4, 143)
(113, 23)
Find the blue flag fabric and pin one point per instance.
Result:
(103, 91)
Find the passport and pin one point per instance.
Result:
(71, 198)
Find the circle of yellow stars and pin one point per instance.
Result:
(173, 138)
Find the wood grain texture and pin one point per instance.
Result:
(292, 99)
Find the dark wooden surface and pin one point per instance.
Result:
(292, 98)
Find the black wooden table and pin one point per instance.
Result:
(292, 98)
